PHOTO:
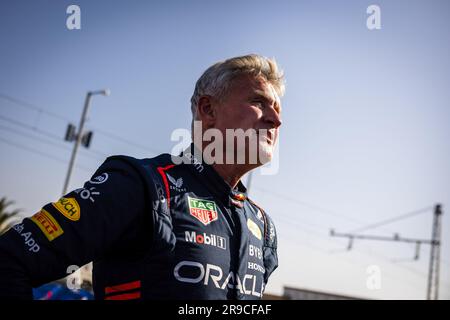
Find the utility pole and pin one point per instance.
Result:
(435, 242)
(433, 271)
(78, 137)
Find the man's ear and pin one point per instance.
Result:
(206, 110)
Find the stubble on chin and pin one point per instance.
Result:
(265, 152)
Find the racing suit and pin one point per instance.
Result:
(154, 229)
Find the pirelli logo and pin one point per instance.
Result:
(48, 225)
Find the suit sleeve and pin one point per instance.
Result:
(86, 224)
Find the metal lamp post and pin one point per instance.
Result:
(78, 139)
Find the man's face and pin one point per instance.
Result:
(251, 103)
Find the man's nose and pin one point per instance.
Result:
(273, 117)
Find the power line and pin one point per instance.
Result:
(317, 234)
(33, 137)
(330, 212)
(398, 218)
(421, 273)
(30, 127)
(32, 106)
(373, 253)
(47, 134)
(435, 242)
(65, 148)
(128, 142)
(309, 205)
(103, 132)
(350, 261)
(291, 223)
(317, 208)
(40, 153)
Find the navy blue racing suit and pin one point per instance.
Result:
(154, 229)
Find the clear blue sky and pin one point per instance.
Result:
(366, 115)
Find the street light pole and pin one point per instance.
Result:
(79, 135)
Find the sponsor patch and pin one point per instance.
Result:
(214, 276)
(205, 239)
(204, 210)
(253, 227)
(87, 193)
(257, 267)
(260, 216)
(48, 225)
(28, 239)
(100, 179)
(255, 252)
(271, 233)
(69, 207)
(176, 184)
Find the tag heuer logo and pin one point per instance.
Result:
(203, 210)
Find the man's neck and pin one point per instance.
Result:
(231, 174)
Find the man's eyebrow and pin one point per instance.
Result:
(262, 95)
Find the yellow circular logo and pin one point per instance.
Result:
(253, 227)
(69, 207)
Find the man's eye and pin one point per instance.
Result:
(259, 103)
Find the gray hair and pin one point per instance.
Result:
(216, 80)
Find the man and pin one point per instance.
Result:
(167, 227)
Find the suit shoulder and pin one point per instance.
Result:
(124, 161)
(270, 234)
